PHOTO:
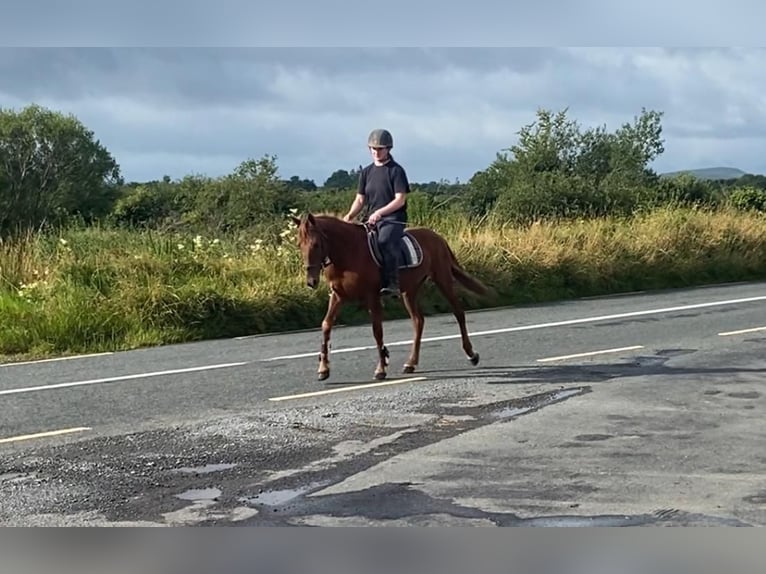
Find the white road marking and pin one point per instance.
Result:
(351, 388)
(43, 434)
(589, 354)
(55, 359)
(534, 326)
(753, 330)
(118, 378)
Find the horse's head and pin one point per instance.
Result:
(313, 245)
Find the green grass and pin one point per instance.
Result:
(97, 289)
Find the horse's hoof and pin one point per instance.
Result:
(407, 369)
(380, 376)
(322, 375)
(474, 359)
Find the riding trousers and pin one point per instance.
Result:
(390, 234)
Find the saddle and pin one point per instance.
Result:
(410, 253)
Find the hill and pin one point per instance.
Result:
(709, 173)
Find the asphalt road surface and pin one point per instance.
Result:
(641, 409)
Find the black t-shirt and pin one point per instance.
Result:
(380, 183)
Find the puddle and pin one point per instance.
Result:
(206, 469)
(585, 521)
(510, 411)
(744, 395)
(14, 477)
(200, 494)
(277, 497)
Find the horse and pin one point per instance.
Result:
(348, 254)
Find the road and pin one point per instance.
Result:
(638, 409)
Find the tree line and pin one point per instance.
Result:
(53, 170)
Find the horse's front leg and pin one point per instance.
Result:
(376, 315)
(418, 322)
(333, 307)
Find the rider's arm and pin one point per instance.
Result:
(399, 200)
(356, 207)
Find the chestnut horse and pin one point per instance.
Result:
(347, 253)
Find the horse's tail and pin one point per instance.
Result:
(466, 280)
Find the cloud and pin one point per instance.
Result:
(197, 110)
(401, 23)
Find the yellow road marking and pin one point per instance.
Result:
(43, 434)
(351, 388)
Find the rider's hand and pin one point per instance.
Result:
(374, 218)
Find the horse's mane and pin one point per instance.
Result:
(325, 215)
(324, 218)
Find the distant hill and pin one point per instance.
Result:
(709, 173)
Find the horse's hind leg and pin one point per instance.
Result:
(444, 284)
(376, 315)
(410, 301)
(327, 323)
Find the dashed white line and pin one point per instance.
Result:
(349, 388)
(741, 331)
(118, 378)
(533, 326)
(589, 354)
(43, 434)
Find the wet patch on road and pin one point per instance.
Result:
(759, 498)
(744, 395)
(397, 501)
(593, 437)
(220, 472)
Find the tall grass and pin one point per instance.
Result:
(95, 289)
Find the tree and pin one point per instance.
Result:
(558, 169)
(253, 192)
(298, 184)
(52, 168)
(342, 179)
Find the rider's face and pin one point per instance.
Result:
(379, 154)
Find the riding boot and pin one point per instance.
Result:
(390, 275)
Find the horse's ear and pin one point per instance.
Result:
(310, 219)
(296, 220)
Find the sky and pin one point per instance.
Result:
(179, 111)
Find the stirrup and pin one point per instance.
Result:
(392, 291)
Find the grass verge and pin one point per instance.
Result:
(98, 289)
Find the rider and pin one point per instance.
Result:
(383, 186)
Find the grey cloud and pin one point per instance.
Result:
(400, 23)
(451, 109)
(231, 74)
(182, 75)
(289, 22)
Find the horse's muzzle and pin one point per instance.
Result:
(312, 281)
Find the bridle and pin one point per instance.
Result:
(325, 261)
